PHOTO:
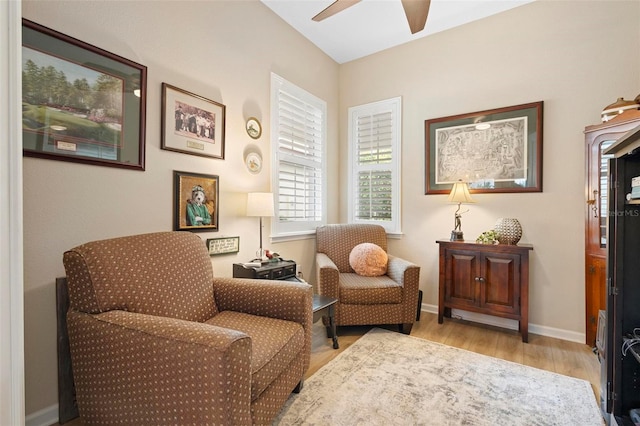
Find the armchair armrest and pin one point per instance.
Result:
(285, 300)
(402, 271)
(193, 357)
(328, 276)
(408, 274)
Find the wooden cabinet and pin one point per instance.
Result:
(622, 388)
(597, 139)
(487, 279)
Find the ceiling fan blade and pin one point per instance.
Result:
(416, 11)
(333, 8)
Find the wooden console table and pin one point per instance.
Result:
(487, 279)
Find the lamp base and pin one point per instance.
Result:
(457, 236)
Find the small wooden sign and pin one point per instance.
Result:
(223, 245)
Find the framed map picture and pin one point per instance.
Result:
(498, 150)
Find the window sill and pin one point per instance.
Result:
(293, 237)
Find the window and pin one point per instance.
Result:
(298, 144)
(374, 164)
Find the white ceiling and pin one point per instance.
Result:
(374, 25)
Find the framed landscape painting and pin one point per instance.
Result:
(497, 150)
(80, 103)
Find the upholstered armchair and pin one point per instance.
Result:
(156, 339)
(387, 299)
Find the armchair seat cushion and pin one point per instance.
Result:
(274, 344)
(359, 290)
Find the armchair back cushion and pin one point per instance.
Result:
(337, 241)
(166, 274)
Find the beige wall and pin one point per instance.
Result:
(567, 54)
(223, 51)
(575, 56)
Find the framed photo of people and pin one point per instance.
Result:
(497, 150)
(195, 201)
(80, 103)
(192, 124)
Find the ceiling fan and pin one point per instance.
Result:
(416, 11)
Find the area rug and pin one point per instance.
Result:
(387, 378)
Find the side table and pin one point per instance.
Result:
(274, 270)
(324, 306)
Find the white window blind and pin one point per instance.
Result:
(374, 142)
(298, 143)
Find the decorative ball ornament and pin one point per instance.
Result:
(509, 230)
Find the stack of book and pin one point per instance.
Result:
(635, 188)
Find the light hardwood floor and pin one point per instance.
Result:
(546, 353)
(568, 358)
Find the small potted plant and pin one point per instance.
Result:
(488, 237)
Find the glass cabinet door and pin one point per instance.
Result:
(600, 209)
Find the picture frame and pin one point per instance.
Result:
(494, 151)
(81, 103)
(196, 205)
(223, 245)
(192, 124)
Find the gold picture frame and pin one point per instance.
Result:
(195, 201)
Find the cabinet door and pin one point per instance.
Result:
(461, 271)
(500, 285)
(595, 292)
(596, 230)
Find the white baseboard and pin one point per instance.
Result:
(571, 336)
(45, 417)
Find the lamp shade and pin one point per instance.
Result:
(460, 193)
(260, 204)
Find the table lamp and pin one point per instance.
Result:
(260, 204)
(459, 194)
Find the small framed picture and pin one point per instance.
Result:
(192, 124)
(195, 202)
(223, 245)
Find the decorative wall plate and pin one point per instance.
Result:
(254, 128)
(253, 162)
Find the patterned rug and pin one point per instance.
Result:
(387, 378)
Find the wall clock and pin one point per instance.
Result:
(254, 129)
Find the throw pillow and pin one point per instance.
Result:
(369, 260)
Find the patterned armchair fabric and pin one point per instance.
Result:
(388, 299)
(156, 339)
